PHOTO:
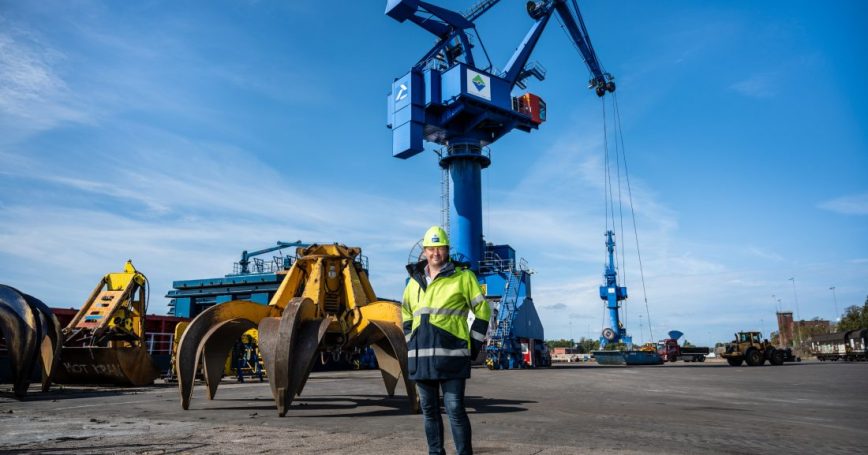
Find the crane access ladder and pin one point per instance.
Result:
(501, 343)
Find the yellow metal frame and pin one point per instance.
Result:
(317, 275)
(116, 293)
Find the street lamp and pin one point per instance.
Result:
(777, 309)
(836, 317)
(798, 315)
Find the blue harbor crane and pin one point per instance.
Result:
(451, 99)
(613, 295)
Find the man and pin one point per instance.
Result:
(437, 300)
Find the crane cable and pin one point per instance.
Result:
(621, 155)
(610, 203)
(620, 137)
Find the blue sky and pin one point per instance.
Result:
(180, 133)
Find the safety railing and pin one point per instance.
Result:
(159, 343)
(258, 265)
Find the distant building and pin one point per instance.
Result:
(791, 332)
(785, 328)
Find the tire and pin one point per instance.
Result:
(777, 357)
(734, 362)
(754, 358)
(702, 358)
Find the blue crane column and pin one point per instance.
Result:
(464, 162)
(613, 295)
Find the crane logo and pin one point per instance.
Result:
(402, 92)
(478, 84)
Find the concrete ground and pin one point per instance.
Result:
(676, 408)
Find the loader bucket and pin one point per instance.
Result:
(209, 338)
(125, 366)
(32, 334)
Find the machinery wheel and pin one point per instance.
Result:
(734, 362)
(754, 358)
(777, 357)
(702, 358)
(608, 333)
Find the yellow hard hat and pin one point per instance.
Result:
(435, 236)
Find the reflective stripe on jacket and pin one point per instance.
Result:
(440, 344)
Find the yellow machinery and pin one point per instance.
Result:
(104, 343)
(324, 304)
(245, 353)
(750, 348)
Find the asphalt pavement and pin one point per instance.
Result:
(710, 407)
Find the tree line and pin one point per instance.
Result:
(854, 317)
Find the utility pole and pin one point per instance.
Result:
(777, 313)
(798, 315)
(835, 298)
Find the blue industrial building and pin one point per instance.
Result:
(252, 279)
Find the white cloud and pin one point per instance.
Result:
(184, 210)
(762, 85)
(854, 204)
(33, 96)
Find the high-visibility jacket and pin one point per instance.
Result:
(440, 344)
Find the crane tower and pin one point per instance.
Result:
(455, 100)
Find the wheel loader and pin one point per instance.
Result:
(750, 348)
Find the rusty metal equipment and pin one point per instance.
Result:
(32, 335)
(324, 304)
(104, 343)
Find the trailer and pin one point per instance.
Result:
(849, 346)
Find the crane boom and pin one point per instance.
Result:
(479, 9)
(541, 12)
(245, 255)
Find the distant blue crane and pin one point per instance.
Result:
(613, 295)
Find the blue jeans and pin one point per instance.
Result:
(453, 399)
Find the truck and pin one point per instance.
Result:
(671, 351)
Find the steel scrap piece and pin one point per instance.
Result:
(32, 335)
